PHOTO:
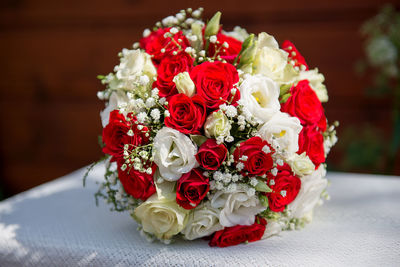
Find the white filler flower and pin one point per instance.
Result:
(174, 153)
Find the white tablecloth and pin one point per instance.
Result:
(58, 224)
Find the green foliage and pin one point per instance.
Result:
(364, 148)
(369, 148)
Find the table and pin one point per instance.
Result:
(58, 224)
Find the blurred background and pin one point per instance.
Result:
(52, 51)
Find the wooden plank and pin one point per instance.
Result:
(157, 8)
(63, 65)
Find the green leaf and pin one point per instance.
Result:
(263, 187)
(198, 139)
(285, 98)
(100, 141)
(247, 51)
(264, 200)
(285, 88)
(234, 146)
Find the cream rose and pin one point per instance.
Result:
(260, 96)
(282, 132)
(163, 217)
(301, 164)
(174, 153)
(217, 124)
(133, 64)
(269, 59)
(237, 207)
(184, 84)
(309, 195)
(203, 221)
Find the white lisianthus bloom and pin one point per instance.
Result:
(116, 99)
(133, 64)
(316, 80)
(203, 221)
(282, 132)
(273, 228)
(174, 153)
(270, 60)
(163, 217)
(309, 195)
(184, 84)
(301, 165)
(260, 96)
(217, 124)
(237, 207)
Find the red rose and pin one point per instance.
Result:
(156, 41)
(311, 141)
(214, 81)
(285, 186)
(322, 124)
(231, 236)
(304, 104)
(229, 53)
(294, 54)
(211, 155)
(187, 114)
(116, 134)
(169, 67)
(192, 187)
(258, 162)
(137, 184)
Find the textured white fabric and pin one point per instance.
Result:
(58, 224)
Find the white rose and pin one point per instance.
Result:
(116, 99)
(260, 96)
(217, 124)
(174, 153)
(301, 164)
(316, 80)
(282, 132)
(162, 217)
(309, 195)
(203, 221)
(133, 64)
(184, 84)
(237, 207)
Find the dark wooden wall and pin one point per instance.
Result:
(51, 52)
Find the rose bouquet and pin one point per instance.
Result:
(213, 134)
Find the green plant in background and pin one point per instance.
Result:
(382, 50)
(364, 149)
